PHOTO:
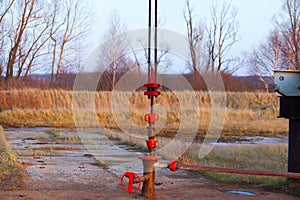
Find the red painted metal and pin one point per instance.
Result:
(152, 76)
(173, 165)
(133, 178)
(151, 117)
(152, 85)
(151, 143)
(152, 93)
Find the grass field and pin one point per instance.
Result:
(247, 114)
(272, 157)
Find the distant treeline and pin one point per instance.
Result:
(104, 80)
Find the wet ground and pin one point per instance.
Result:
(65, 166)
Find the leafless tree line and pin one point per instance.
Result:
(114, 56)
(281, 48)
(41, 35)
(46, 36)
(211, 41)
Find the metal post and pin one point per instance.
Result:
(149, 39)
(288, 85)
(156, 40)
(148, 190)
(290, 109)
(294, 147)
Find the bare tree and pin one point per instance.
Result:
(68, 27)
(195, 38)
(36, 34)
(281, 49)
(5, 6)
(288, 24)
(222, 35)
(267, 56)
(27, 14)
(35, 39)
(216, 37)
(112, 56)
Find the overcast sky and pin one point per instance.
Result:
(254, 17)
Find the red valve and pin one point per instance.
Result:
(173, 165)
(151, 143)
(131, 176)
(152, 93)
(152, 85)
(150, 118)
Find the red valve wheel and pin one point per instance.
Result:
(131, 180)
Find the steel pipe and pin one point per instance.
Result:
(174, 165)
(161, 165)
(141, 180)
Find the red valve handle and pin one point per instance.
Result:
(131, 176)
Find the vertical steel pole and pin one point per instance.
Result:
(290, 109)
(294, 147)
(149, 39)
(148, 190)
(156, 39)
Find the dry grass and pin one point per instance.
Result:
(247, 113)
(12, 173)
(272, 157)
(260, 157)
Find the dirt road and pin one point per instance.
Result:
(61, 168)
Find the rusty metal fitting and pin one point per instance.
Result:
(141, 180)
(148, 190)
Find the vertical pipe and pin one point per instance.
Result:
(156, 39)
(149, 39)
(151, 125)
(148, 190)
(294, 147)
(150, 128)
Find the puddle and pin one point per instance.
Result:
(239, 192)
(254, 141)
(28, 129)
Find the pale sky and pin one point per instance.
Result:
(254, 17)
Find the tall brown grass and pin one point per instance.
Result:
(56, 99)
(247, 113)
(12, 173)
